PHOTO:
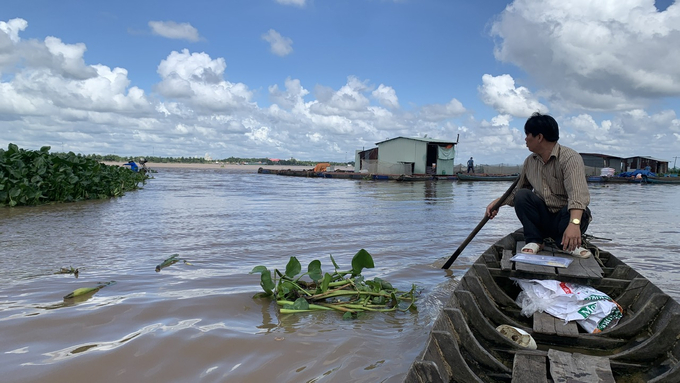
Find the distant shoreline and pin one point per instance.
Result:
(253, 168)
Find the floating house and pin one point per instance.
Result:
(620, 164)
(408, 156)
(600, 161)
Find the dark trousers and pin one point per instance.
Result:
(539, 223)
(470, 169)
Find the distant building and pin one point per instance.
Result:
(600, 161)
(656, 165)
(404, 155)
(620, 164)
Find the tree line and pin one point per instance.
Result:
(199, 160)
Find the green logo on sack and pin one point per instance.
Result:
(586, 311)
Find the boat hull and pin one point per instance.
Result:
(464, 345)
(480, 177)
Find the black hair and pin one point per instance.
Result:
(542, 124)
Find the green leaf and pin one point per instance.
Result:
(299, 304)
(383, 284)
(293, 267)
(286, 290)
(258, 269)
(326, 281)
(265, 278)
(334, 264)
(314, 270)
(362, 259)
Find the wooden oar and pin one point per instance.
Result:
(479, 226)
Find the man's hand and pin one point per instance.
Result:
(492, 213)
(571, 238)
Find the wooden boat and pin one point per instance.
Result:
(465, 346)
(626, 180)
(487, 177)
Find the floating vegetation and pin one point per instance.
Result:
(344, 291)
(88, 290)
(33, 177)
(68, 270)
(171, 261)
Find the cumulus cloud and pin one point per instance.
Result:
(439, 112)
(198, 80)
(292, 97)
(386, 96)
(12, 29)
(279, 45)
(594, 54)
(501, 93)
(173, 30)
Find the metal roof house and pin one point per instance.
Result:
(599, 161)
(620, 164)
(408, 155)
(641, 162)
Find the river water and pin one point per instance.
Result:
(200, 323)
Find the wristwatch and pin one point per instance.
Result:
(576, 221)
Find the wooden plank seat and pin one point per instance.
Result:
(534, 366)
(548, 324)
(579, 368)
(529, 367)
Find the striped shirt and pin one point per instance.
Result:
(559, 182)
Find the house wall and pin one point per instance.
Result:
(403, 150)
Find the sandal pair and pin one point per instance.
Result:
(534, 248)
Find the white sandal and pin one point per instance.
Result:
(581, 252)
(531, 248)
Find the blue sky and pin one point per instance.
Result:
(319, 79)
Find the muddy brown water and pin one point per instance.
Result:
(200, 323)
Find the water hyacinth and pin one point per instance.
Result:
(344, 291)
(87, 290)
(33, 177)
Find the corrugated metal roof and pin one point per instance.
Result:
(421, 139)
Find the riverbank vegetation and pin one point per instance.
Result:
(201, 160)
(34, 177)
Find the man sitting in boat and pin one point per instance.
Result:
(551, 197)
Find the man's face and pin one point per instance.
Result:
(532, 142)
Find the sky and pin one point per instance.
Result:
(319, 79)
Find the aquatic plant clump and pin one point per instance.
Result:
(33, 177)
(344, 291)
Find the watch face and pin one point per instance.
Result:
(576, 221)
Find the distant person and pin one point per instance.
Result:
(551, 197)
(471, 166)
(133, 166)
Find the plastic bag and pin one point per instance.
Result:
(592, 309)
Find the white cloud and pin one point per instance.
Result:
(173, 30)
(12, 29)
(279, 45)
(386, 96)
(299, 3)
(198, 80)
(501, 93)
(594, 54)
(440, 112)
(292, 97)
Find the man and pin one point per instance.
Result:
(471, 166)
(551, 197)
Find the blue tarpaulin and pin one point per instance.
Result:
(634, 173)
